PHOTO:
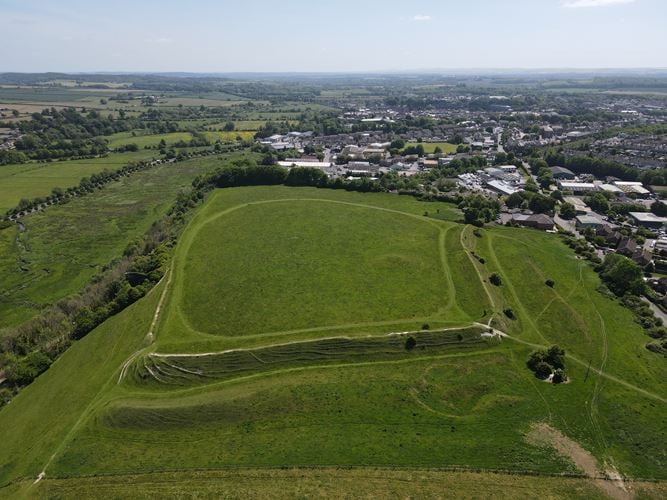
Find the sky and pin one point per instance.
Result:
(330, 36)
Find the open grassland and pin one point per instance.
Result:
(329, 483)
(229, 137)
(152, 140)
(143, 140)
(31, 180)
(235, 375)
(429, 147)
(61, 248)
(326, 265)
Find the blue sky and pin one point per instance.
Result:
(334, 35)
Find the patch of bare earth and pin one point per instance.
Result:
(608, 479)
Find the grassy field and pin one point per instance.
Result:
(330, 483)
(64, 246)
(123, 138)
(32, 180)
(250, 365)
(141, 140)
(429, 147)
(316, 272)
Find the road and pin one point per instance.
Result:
(656, 310)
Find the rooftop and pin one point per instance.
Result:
(647, 217)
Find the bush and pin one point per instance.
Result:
(550, 283)
(28, 368)
(426, 326)
(410, 343)
(509, 313)
(495, 280)
(542, 370)
(545, 362)
(559, 376)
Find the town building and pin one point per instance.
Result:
(588, 222)
(562, 173)
(648, 220)
(577, 187)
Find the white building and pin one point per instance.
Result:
(577, 187)
(632, 187)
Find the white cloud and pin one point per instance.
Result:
(577, 4)
(421, 17)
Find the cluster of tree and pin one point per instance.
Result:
(622, 275)
(545, 363)
(247, 173)
(538, 203)
(456, 167)
(568, 211)
(8, 156)
(659, 208)
(65, 133)
(506, 159)
(581, 247)
(478, 209)
(598, 202)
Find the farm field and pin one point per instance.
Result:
(32, 180)
(61, 248)
(279, 339)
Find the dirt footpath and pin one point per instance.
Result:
(607, 479)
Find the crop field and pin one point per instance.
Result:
(31, 180)
(303, 332)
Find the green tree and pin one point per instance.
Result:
(541, 204)
(545, 178)
(659, 208)
(598, 202)
(567, 211)
(622, 275)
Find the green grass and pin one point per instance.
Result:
(65, 245)
(429, 147)
(311, 385)
(315, 272)
(328, 482)
(32, 180)
(123, 138)
(183, 370)
(229, 136)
